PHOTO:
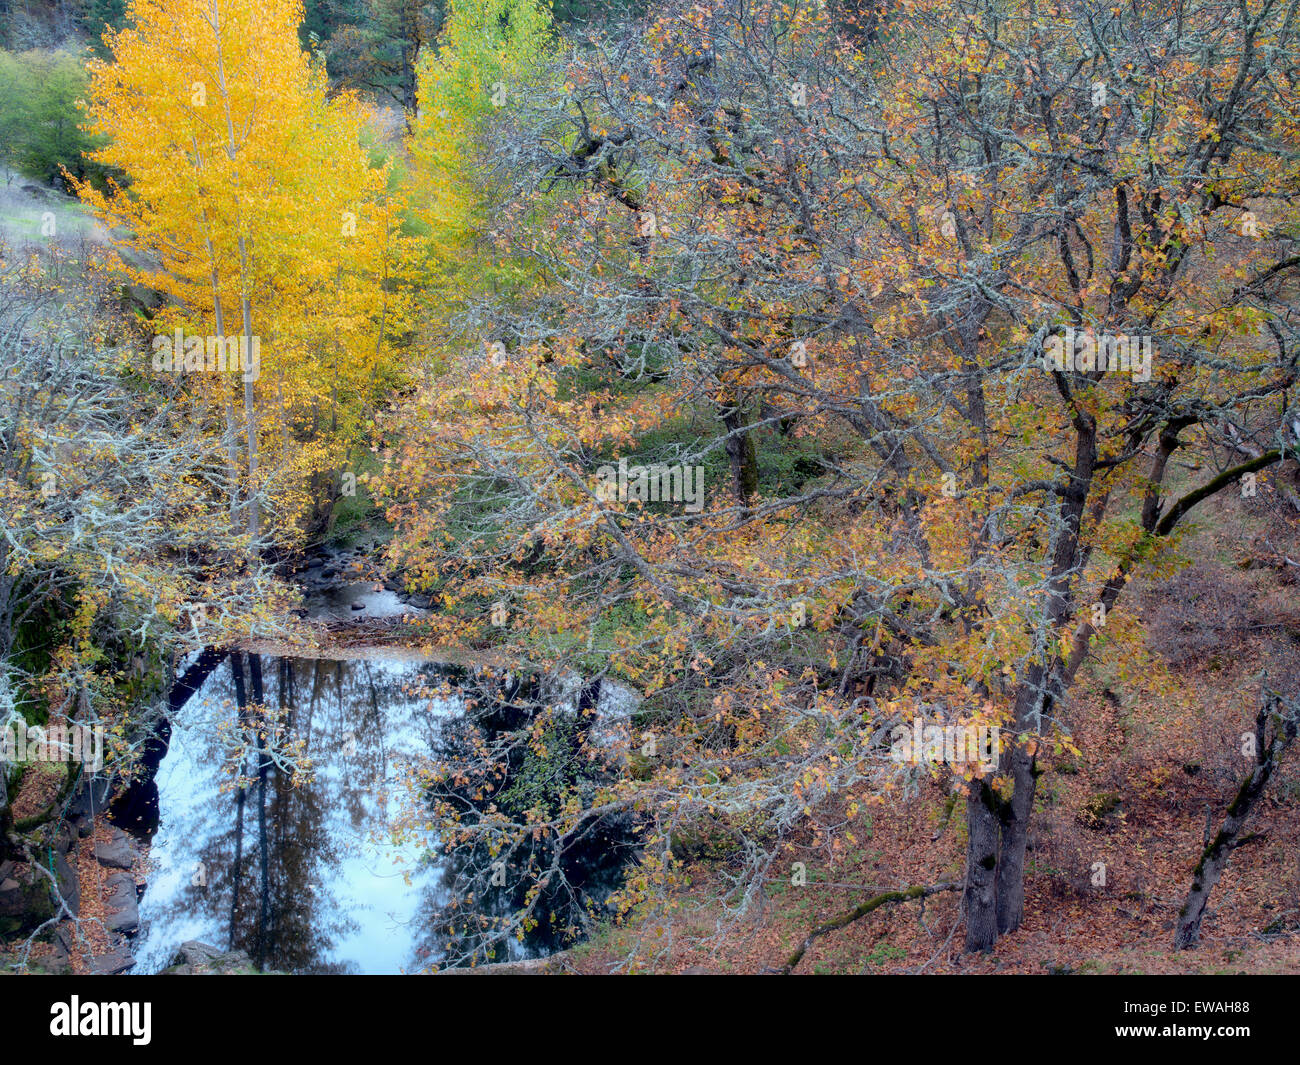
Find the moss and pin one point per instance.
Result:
(37, 906)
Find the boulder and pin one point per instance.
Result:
(141, 301)
(121, 898)
(90, 797)
(55, 964)
(117, 960)
(117, 852)
(65, 935)
(195, 958)
(69, 887)
(24, 899)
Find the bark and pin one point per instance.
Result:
(245, 301)
(741, 455)
(1010, 883)
(1016, 813)
(983, 822)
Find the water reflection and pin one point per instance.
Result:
(325, 877)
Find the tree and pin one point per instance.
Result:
(14, 92)
(40, 116)
(112, 529)
(488, 52)
(254, 204)
(1275, 731)
(375, 46)
(966, 282)
(97, 17)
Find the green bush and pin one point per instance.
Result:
(41, 117)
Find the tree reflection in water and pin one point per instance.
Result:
(525, 861)
(341, 873)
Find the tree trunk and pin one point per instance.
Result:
(1214, 859)
(1015, 835)
(981, 866)
(1017, 812)
(245, 298)
(741, 454)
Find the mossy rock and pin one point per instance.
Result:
(25, 901)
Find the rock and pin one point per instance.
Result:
(118, 958)
(358, 606)
(115, 961)
(12, 897)
(192, 952)
(121, 897)
(117, 853)
(24, 900)
(142, 300)
(90, 798)
(69, 887)
(55, 964)
(65, 934)
(195, 958)
(526, 967)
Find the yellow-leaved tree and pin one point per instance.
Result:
(254, 206)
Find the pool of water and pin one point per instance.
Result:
(325, 876)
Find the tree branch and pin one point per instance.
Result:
(919, 891)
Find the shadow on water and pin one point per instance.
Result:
(326, 876)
